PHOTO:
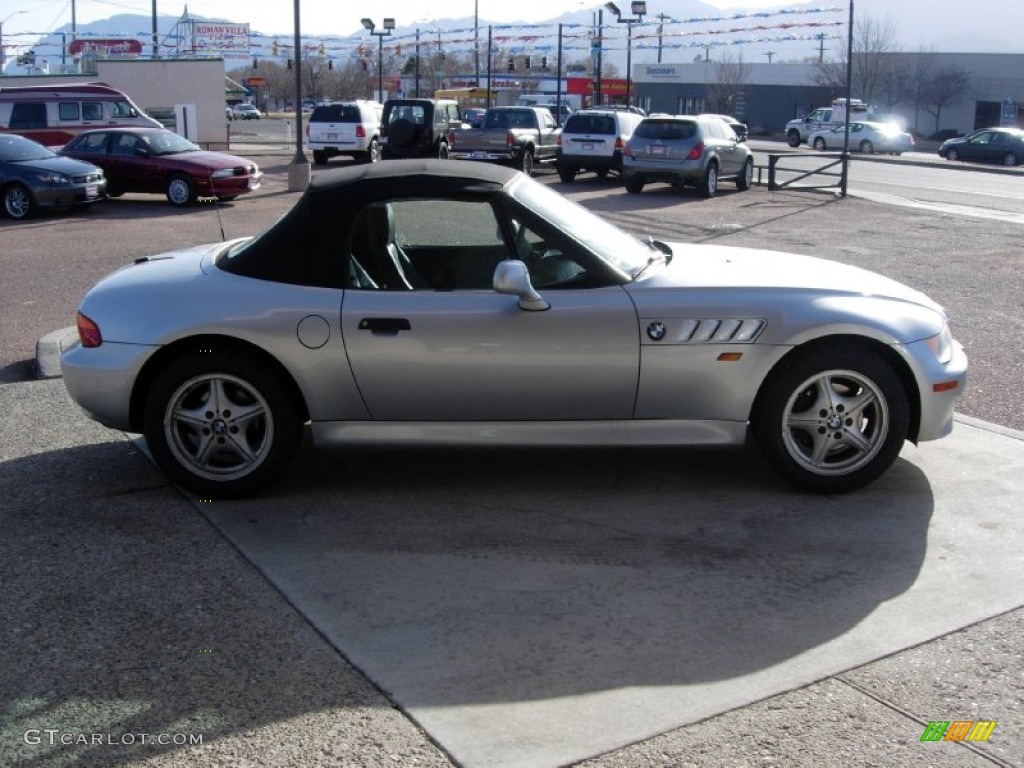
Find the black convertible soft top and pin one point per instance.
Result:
(303, 246)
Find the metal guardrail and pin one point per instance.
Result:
(774, 167)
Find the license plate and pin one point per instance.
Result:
(588, 145)
(92, 190)
(332, 136)
(478, 155)
(657, 149)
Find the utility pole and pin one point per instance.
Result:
(769, 54)
(662, 18)
(821, 47)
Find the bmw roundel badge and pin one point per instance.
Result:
(656, 331)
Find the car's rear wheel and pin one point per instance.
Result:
(567, 175)
(526, 162)
(952, 154)
(220, 424)
(442, 150)
(746, 178)
(831, 420)
(867, 147)
(793, 138)
(18, 202)
(709, 186)
(319, 157)
(373, 151)
(1010, 159)
(602, 173)
(634, 186)
(819, 144)
(180, 191)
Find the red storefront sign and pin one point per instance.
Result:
(110, 47)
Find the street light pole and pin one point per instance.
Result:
(389, 24)
(638, 8)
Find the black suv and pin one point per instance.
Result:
(418, 127)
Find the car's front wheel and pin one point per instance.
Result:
(180, 191)
(220, 424)
(832, 420)
(442, 150)
(18, 201)
(819, 144)
(952, 154)
(867, 147)
(793, 137)
(746, 178)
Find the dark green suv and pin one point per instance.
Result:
(418, 127)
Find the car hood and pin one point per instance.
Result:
(66, 165)
(208, 159)
(720, 266)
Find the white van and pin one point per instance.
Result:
(53, 114)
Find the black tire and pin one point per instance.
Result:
(239, 404)
(867, 147)
(373, 151)
(18, 201)
(819, 143)
(567, 175)
(952, 154)
(1010, 159)
(526, 162)
(832, 419)
(180, 191)
(634, 186)
(746, 178)
(319, 157)
(793, 137)
(114, 192)
(401, 133)
(602, 173)
(442, 150)
(709, 186)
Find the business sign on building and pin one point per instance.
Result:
(230, 41)
(659, 72)
(112, 47)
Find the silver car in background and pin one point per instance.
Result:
(683, 150)
(426, 302)
(866, 137)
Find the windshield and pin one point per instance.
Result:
(620, 249)
(168, 143)
(15, 148)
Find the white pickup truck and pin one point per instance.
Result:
(798, 130)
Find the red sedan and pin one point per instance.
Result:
(161, 161)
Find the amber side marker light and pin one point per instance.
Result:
(88, 332)
(729, 357)
(944, 386)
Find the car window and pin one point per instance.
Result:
(28, 115)
(122, 109)
(666, 130)
(336, 113)
(125, 144)
(94, 143)
(68, 110)
(92, 110)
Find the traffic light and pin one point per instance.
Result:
(276, 48)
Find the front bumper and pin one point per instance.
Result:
(939, 384)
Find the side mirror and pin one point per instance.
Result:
(513, 279)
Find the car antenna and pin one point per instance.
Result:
(216, 205)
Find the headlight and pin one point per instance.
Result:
(223, 173)
(941, 345)
(53, 178)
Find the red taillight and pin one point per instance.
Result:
(627, 151)
(360, 132)
(696, 152)
(88, 332)
(619, 143)
(558, 141)
(510, 139)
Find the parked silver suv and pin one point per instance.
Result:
(681, 150)
(593, 140)
(345, 128)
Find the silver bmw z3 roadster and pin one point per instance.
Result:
(421, 302)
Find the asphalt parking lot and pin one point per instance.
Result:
(434, 608)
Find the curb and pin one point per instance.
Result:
(48, 350)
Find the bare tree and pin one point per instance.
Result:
(725, 93)
(946, 87)
(873, 39)
(920, 71)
